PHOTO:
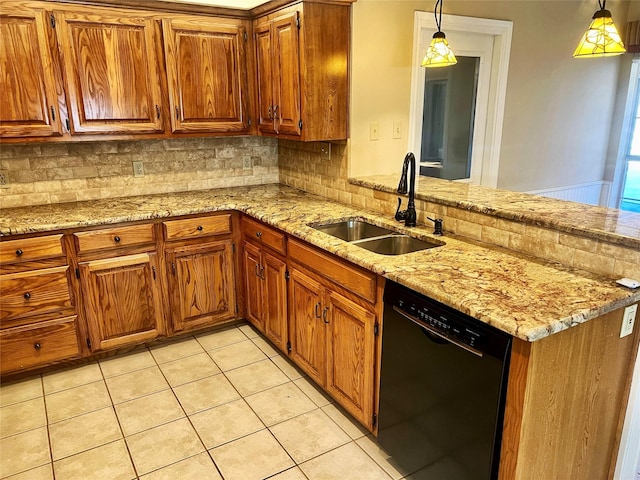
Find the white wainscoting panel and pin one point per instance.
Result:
(592, 193)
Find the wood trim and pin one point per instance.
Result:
(514, 408)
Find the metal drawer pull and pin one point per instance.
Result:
(19, 252)
(324, 314)
(116, 239)
(37, 346)
(258, 234)
(27, 296)
(257, 270)
(318, 315)
(199, 228)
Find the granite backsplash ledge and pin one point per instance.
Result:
(49, 173)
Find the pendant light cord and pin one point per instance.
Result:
(602, 4)
(438, 16)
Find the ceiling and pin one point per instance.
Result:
(241, 4)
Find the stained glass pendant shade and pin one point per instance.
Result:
(439, 53)
(601, 38)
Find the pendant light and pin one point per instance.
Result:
(601, 38)
(439, 53)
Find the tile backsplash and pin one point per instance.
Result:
(44, 173)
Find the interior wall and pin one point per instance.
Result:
(558, 110)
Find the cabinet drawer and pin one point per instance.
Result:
(351, 277)
(197, 227)
(25, 249)
(263, 234)
(114, 237)
(23, 348)
(32, 293)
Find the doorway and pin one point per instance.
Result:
(454, 140)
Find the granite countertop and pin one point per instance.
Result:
(614, 226)
(521, 295)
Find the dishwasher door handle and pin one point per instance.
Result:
(435, 332)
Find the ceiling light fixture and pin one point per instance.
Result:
(439, 53)
(601, 38)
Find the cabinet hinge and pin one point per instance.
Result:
(89, 343)
(53, 114)
(236, 308)
(233, 247)
(249, 122)
(374, 420)
(52, 19)
(298, 23)
(300, 124)
(287, 275)
(153, 270)
(68, 125)
(244, 35)
(376, 329)
(77, 272)
(289, 347)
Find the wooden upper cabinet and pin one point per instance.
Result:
(266, 123)
(278, 72)
(29, 100)
(207, 74)
(302, 57)
(111, 71)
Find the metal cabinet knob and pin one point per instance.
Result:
(116, 239)
(199, 228)
(258, 234)
(19, 252)
(37, 346)
(27, 296)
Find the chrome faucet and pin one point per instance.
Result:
(408, 215)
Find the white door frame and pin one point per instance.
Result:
(501, 31)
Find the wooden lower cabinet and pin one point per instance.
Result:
(306, 327)
(39, 344)
(266, 293)
(333, 339)
(201, 284)
(122, 300)
(350, 333)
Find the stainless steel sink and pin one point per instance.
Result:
(396, 245)
(352, 230)
(374, 238)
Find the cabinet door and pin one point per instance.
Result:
(111, 72)
(286, 75)
(350, 356)
(202, 284)
(275, 299)
(122, 300)
(253, 285)
(29, 102)
(265, 77)
(206, 70)
(306, 328)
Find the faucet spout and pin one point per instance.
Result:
(408, 215)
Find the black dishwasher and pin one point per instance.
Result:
(442, 391)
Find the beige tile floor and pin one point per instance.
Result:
(221, 405)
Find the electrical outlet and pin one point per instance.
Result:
(246, 162)
(4, 179)
(325, 151)
(397, 130)
(628, 319)
(138, 169)
(374, 131)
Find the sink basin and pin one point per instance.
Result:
(396, 245)
(353, 230)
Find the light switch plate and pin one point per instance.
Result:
(4, 179)
(628, 319)
(397, 130)
(246, 162)
(325, 151)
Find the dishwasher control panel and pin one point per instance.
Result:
(439, 320)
